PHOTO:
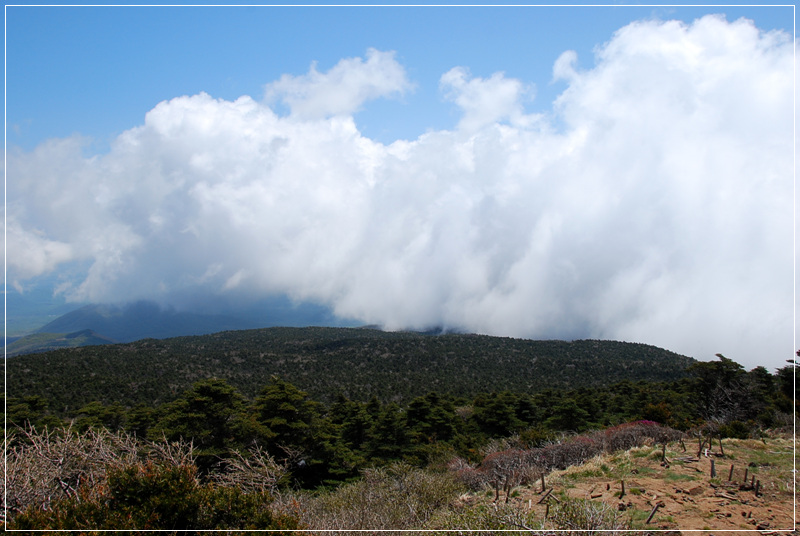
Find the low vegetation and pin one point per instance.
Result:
(65, 480)
(282, 459)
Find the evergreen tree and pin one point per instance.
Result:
(212, 415)
(288, 413)
(430, 418)
(388, 438)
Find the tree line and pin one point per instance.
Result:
(326, 443)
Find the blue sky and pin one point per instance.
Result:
(97, 70)
(545, 172)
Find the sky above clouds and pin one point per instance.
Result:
(567, 172)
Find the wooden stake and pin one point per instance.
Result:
(713, 469)
(653, 512)
(758, 487)
(622, 493)
(546, 495)
(543, 486)
(730, 474)
(746, 469)
(721, 450)
(547, 510)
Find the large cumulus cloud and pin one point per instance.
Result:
(654, 202)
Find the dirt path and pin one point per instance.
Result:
(689, 498)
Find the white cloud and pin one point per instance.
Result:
(486, 101)
(32, 254)
(659, 211)
(564, 67)
(343, 89)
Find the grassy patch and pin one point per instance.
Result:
(645, 471)
(671, 476)
(641, 452)
(587, 473)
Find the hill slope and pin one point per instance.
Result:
(359, 363)
(42, 342)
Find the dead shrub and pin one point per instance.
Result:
(394, 497)
(254, 472)
(50, 465)
(46, 466)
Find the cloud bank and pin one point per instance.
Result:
(654, 203)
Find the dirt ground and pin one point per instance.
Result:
(690, 500)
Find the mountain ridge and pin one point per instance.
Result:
(356, 362)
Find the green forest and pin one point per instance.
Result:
(334, 405)
(325, 362)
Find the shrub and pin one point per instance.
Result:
(507, 468)
(255, 471)
(56, 464)
(588, 517)
(393, 497)
(467, 474)
(570, 517)
(490, 519)
(735, 429)
(152, 497)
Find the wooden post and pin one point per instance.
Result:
(730, 474)
(758, 487)
(746, 469)
(653, 512)
(543, 486)
(721, 450)
(713, 469)
(622, 493)
(664, 452)
(547, 510)
(546, 495)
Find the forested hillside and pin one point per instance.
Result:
(119, 414)
(325, 362)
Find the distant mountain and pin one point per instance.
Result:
(31, 309)
(359, 363)
(141, 320)
(43, 342)
(148, 320)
